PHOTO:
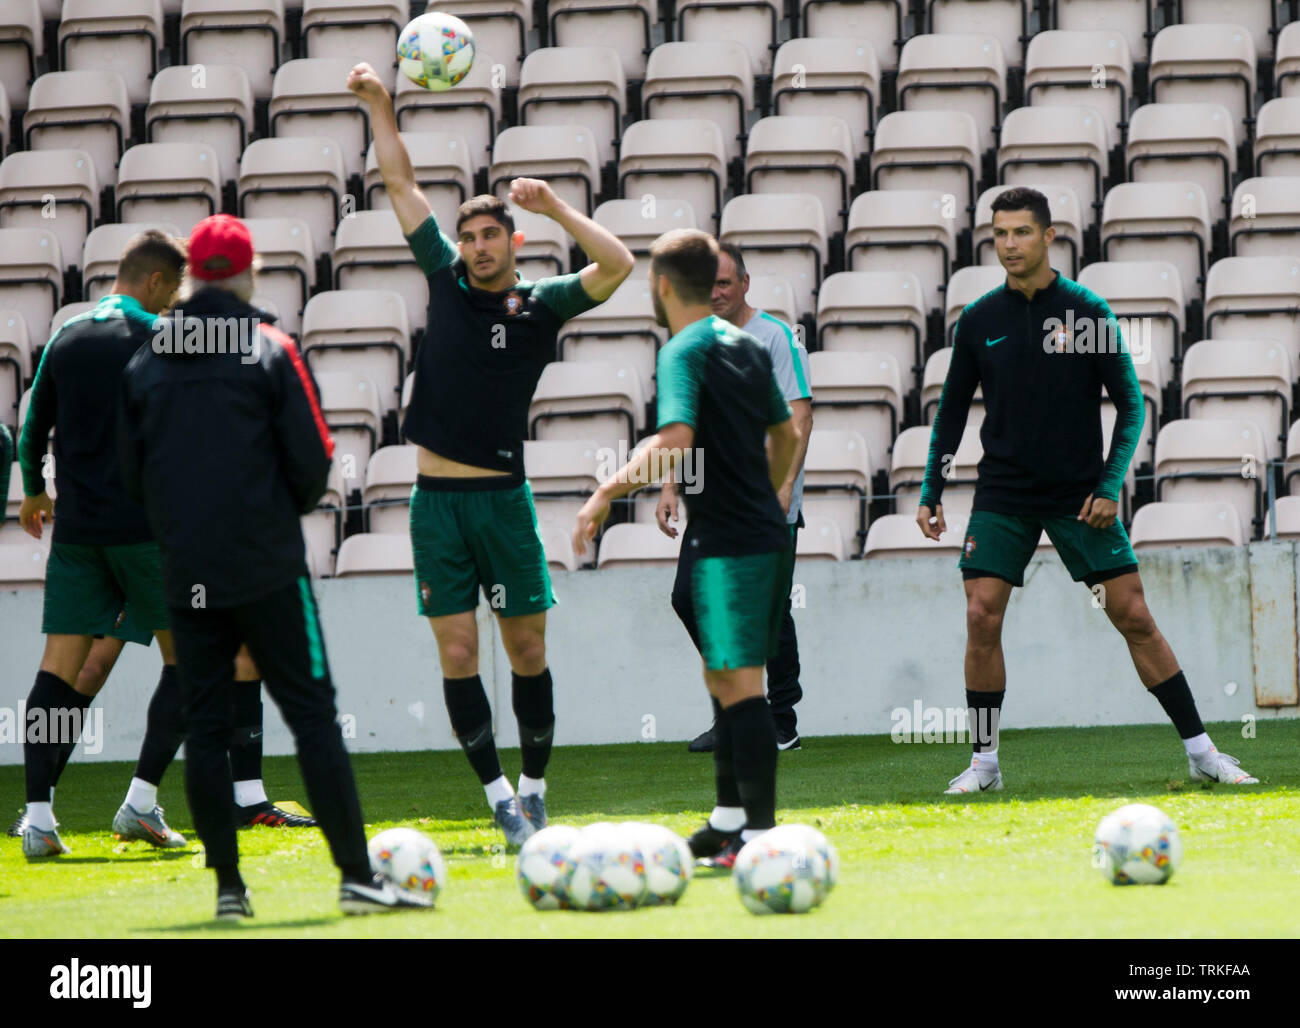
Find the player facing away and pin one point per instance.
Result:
(790, 365)
(1043, 470)
(717, 396)
(472, 519)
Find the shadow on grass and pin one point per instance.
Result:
(236, 927)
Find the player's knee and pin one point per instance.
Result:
(983, 624)
(528, 651)
(92, 676)
(459, 657)
(1133, 619)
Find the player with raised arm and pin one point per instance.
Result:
(472, 519)
(717, 395)
(1044, 470)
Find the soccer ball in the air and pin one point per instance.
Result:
(1137, 845)
(667, 860)
(544, 867)
(409, 860)
(608, 869)
(435, 51)
(780, 872)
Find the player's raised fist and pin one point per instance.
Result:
(931, 523)
(533, 194)
(363, 81)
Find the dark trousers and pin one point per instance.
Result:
(283, 634)
(783, 689)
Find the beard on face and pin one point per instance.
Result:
(661, 315)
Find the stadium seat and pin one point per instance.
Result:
(576, 85)
(752, 23)
(1158, 526)
(956, 72)
(500, 27)
(1265, 217)
(545, 249)
(1182, 142)
(124, 36)
(14, 502)
(1286, 69)
(625, 25)
(904, 230)
(67, 312)
(247, 33)
(1063, 146)
(81, 110)
(803, 154)
(310, 98)
(1287, 509)
(1061, 69)
(879, 21)
(1065, 251)
(22, 564)
(1209, 63)
(444, 171)
(287, 275)
(1277, 137)
(966, 286)
(638, 223)
(22, 44)
(630, 545)
(1148, 298)
(562, 474)
(897, 535)
(356, 30)
(363, 331)
(176, 182)
(31, 277)
(370, 252)
(874, 311)
(55, 189)
(1213, 459)
(938, 150)
(907, 470)
(1255, 298)
(210, 104)
(782, 235)
(322, 529)
(6, 115)
(678, 157)
(858, 392)
(300, 178)
(390, 476)
(565, 156)
(557, 544)
(1151, 380)
(376, 553)
(837, 480)
(1131, 18)
(622, 330)
(932, 382)
(820, 539)
(1253, 15)
(354, 415)
(1159, 221)
(838, 77)
(774, 295)
(471, 110)
(15, 364)
(1242, 379)
(1005, 20)
(597, 400)
(713, 81)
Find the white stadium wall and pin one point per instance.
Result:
(875, 638)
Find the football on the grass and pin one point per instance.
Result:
(1137, 845)
(409, 860)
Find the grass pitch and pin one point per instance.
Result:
(915, 863)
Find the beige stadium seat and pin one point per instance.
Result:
(1151, 381)
(1131, 18)
(839, 77)
(563, 473)
(5, 118)
(310, 99)
(782, 235)
(1242, 379)
(1159, 221)
(625, 25)
(67, 312)
(390, 476)
(471, 110)
(545, 249)
(622, 330)
(1213, 459)
(874, 311)
(1292, 467)
(630, 545)
(566, 156)
(776, 296)
(859, 392)
(1063, 146)
(1255, 298)
(82, 110)
(1208, 63)
(444, 171)
(356, 30)
(301, 178)
(879, 21)
(15, 364)
(124, 36)
(932, 382)
(709, 80)
(1287, 509)
(904, 230)
(354, 416)
(557, 544)
(1286, 69)
(22, 563)
(575, 85)
(837, 480)
(597, 400)
(963, 71)
(1148, 299)
(803, 154)
(376, 553)
(638, 223)
(500, 27)
(678, 157)
(288, 266)
(1182, 142)
(247, 33)
(897, 535)
(14, 502)
(363, 331)
(1159, 526)
(966, 286)
(408, 387)
(907, 470)
(936, 150)
(31, 277)
(1002, 19)
(1066, 249)
(1061, 69)
(176, 182)
(1265, 217)
(820, 539)
(1277, 137)
(210, 104)
(22, 43)
(51, 189)
(1255, 16)
(322, 529)
(752, 23)
(370, 252)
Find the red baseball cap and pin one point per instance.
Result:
(220, 246)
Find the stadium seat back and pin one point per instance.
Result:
(1265, 217)
(752, 23)
(638, 223)
(247, 33)
(880, 21)
(370, 252)
(783, 235)
(904, 230)
(310, 98)
(443, 171)
(1255, 298)
(302, 178)
(858, 392)
(1159, 221)
(124, 37)
(676, 157)
(356, 30)
(632, 545)
(625, 25)
(838, 77)
(288, 271)
(622, 330)
(500, 27)
(936, 150)
(1277, 137)
(875, 311)
(1206, 63)
(1061, 70)
(1185, 142)
(362, 331)
(1002, 19)
(596, 400)
(212, 104)
(966, 286)
(1203, 459)
(566, 156)
(1148, 297)
(31, 277)
(701, 79)
(1186, 525)
(1130, 18)
(956, 71)
(176, 182)
(932, 382)
(897, 535)
(1255, 375)
(803, 154)
(575, 85)
(22, 41)
(54, 189)
(376, 553)
(81, 110)
(1060, 146)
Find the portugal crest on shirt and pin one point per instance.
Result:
(514, 303)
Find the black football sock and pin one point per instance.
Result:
(471, 720)
(1176, 698)
(724, 770)
(164, 728)
(228, 876)
(52, 721)
(984, 710)
(534, 704)
(753, 744)
(68, 745)
(246, 738)
(359, 873)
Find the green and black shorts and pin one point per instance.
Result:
(739, 606)
(105, 590)
(1002, 545)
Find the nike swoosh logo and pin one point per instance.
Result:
(994, 342)
(255, 735)
(477, 741)
(542, 738)
(984, 786)
(1116, 550)
(151, 830)
(534, 599)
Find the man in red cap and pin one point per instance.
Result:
(223, 441)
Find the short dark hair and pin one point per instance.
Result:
(485, 203)
(689, 259)
(1022, 198)
(737, 258)
(150, 251)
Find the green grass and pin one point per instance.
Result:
(915, 863)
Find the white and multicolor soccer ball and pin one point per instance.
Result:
(667, 860)
(820, 853)
(780, 873)
(1137, 845)
(608, 870)
(436, 51)
(545, 866)
(410, 860)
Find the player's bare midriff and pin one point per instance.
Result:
(435, 466)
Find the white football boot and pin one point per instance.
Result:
(979, 777)
(1214, 766)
